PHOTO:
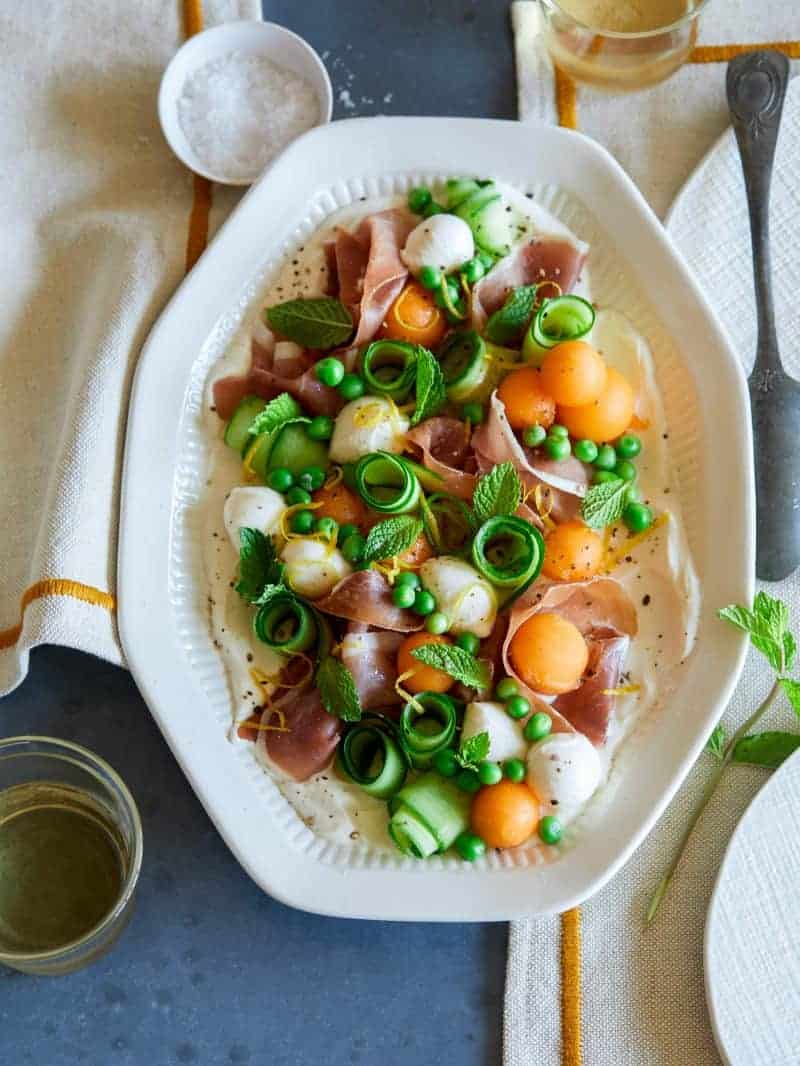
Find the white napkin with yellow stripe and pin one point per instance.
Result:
(94, 221)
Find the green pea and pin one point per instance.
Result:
(634, 494)
(280, 479)
(469, 642)
(468, 781)
(409, 578)
(327, 527)
(297, 495)
(351, 387)
(514, 769)
(490, 773)
(473, 270)
(470, 846)
(345, 531)
(606, 457)
(557, 448)
(473, 412)
(446, 763)
(559, 432)
(424, 603)
(506, 689)
(330, 371)
(486, 259)
(320, 428)
(303, 521)
(418, 199)
(353, 548)
(637, 517)
(625, 470)
(517, 707)
(538, 726)
(430, 277)
(437, 623)
(403, 596)
(533, 436)
(550, 829)
(600, 477)
(433, 209)
(585, 450)
(628, 446)
(311, 479)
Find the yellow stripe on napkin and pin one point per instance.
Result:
(55, 586)
(571, 1041)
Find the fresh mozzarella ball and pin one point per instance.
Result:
(255, 506)
(368, 424)
(506, 740)
(442, 241)
(313, 567)
(462, 595)
(564, 771)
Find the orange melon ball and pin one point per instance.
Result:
(415, 318)
(573, 373)
(341, 504)
(505, 814)
(525, 399)
(572, 552)
(549, 653)
(607, 417)
(424, 678)
(419, 552)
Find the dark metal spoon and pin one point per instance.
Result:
(756, 87)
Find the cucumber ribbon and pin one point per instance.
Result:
(562, 318)
(372, 757)
(449, 524)
(427, 725)
(387, 483)
(508, 552)
(389, 368)
(427, 815)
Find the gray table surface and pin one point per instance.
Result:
(211, 970)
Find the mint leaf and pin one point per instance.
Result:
(337, 690)
(497, 493)
(507, 325)
(604, 503)
(319, 323)
(792, 690)
(472, 672)
(715, 744)
(766, 749)
(258, 564)
(282, 409)
(392, 537)
(473, 751)
(767, 626)
(429, 389)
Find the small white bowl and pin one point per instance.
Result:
(268, 39)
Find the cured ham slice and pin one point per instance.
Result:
(371, 657)
(307, 746)
(589, 707)
(444, 447)
(366, 597)
(542, 259)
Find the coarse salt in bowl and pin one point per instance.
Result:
(234, 96)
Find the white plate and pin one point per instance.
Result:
(163, 612)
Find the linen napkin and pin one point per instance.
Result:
(94, 216)
(634, 996)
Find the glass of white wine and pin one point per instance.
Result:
(620, 44)
(70, 855)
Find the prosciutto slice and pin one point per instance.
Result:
(308, 745)
(589, 707)
(542, 259)
(444, 446)
(371, 657)
(366, 597)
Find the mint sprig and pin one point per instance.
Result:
(390, 538)
(452, 660)
(259, 567)
(282, 409)
(337, 690)
(507, 325)
(430, 393)
(497, 493)
(473, 751)
(603, 504)
(319, 323)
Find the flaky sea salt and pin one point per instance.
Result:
(239, 111)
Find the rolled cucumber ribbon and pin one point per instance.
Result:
(449, 524)
(508, 552)
(389, 368)
(386, 483)
(372, 757)
(562, 318)
(287, 624)
(427, 815)
(427, 725)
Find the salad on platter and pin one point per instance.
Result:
(447, 566)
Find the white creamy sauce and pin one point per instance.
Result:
(657, 573)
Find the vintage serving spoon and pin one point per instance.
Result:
(756, 87)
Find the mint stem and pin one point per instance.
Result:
(708, 792)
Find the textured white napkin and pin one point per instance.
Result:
(642, 988)
(94, 214)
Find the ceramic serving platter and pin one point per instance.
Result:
(163, 614)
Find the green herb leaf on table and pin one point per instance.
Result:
(604, 503)
(391, 537)
(715, 745)
(259, 567)
(319, 323)
(473, 751)
(337, 690)
(282, 409)
(766, 749)
(767, 625)
(792, 690)
(452, 660)
(430, 392)
(509, 323)
(497, 493)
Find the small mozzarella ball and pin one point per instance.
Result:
(467, 600)
(368, 424)
(564, 771)
(313, 567)
(506, 740)
(252, 505)
(442, 241)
